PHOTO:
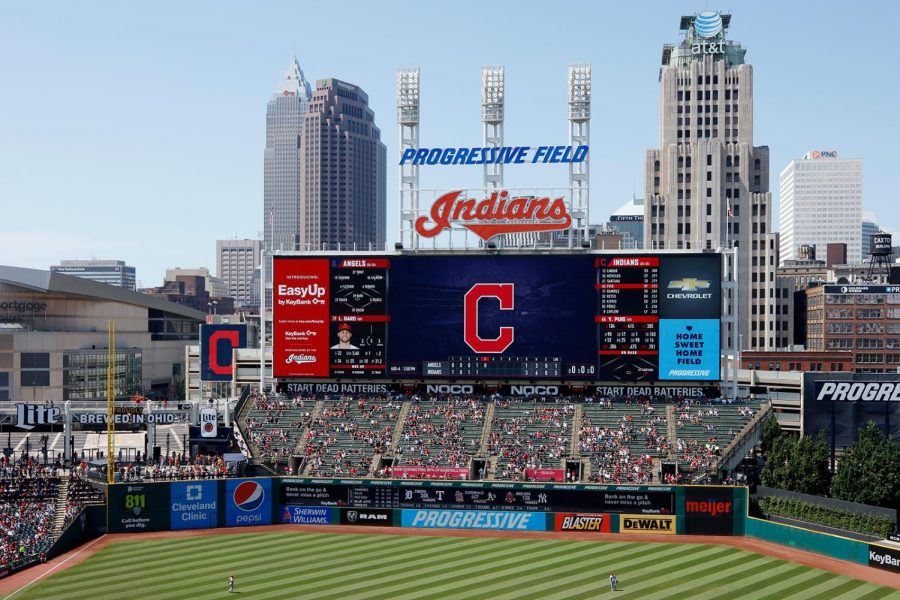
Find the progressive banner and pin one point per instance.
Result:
(473, 519)
(664, 525)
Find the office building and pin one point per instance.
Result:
(110, 272)
(869, 228)
(343, 171)
(707, 185)
(282, 217)
(235, 262)
(821, 203)
(861, 319)
(629, 221)
(214, 285)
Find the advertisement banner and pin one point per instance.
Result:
(216, 345)
(209, 422)
(582, 522)
(377, 517)
(300, 300)
(545, 475)
(473, 519)
(431, 472)
(306, 515)
(646, 524)
(689, 349)
(708, 510)
(882, 557)
(842, 403)
(194, 504)
(690, 287)
(460, 495)
(138, 507)
(248, 502)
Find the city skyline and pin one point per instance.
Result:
(157, 179)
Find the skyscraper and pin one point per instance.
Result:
(236, 261)
(342, 171)
(282, 219)
(869, 228)
(820, 202)
(707, 186)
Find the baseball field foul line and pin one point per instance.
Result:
(54, 567)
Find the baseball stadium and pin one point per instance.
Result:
(498, 407)
(427, 433)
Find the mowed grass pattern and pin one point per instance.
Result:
(287, 565)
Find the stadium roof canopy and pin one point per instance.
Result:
(47, 282)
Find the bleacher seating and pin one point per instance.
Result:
(347, 434)
(441, 431)
(704, 429)
(620, 440)
(27, 509)
(274, 424)
(529, 435)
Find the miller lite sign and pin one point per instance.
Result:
(496, 215)
(209, 422)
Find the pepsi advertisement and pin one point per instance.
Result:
(248, 502)
(568, 317)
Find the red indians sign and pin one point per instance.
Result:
(495, 215)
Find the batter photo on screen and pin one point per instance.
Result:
(344, 334)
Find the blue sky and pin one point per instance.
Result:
(136, 130)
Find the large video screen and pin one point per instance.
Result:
(589, 317)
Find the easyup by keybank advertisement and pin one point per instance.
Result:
(193, 505)
(474, 519)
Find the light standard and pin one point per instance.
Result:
(211, 306)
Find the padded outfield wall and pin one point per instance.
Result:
(667, 510)
(707, 510)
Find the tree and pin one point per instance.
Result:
(869, 470)
(777, 472)
(808, 471)
(771, 432)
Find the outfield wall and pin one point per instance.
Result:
(497, 506)
(706, 510)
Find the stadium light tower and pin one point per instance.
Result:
(408, 119)
(493, 101)
(580, 135)
(492, 105)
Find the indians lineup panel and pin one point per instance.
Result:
(590, 317)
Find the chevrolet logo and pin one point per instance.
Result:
(689, 284)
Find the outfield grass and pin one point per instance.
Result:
(286, 565)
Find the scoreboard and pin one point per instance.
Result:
(588, 317)
(477, 496)
(628, 316)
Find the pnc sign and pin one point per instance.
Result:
(814, 154)
(496, 215)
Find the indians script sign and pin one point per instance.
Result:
(496, 215)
